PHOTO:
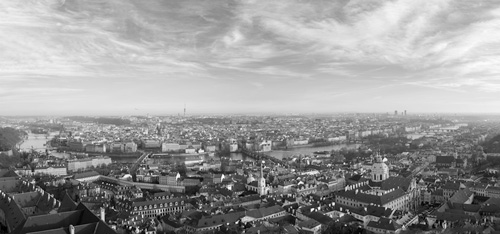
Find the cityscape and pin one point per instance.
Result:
(343, 173)
(249, 116)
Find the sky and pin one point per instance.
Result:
(133, 57)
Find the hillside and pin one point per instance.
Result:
(101, 120)
(492, 145)
(9, 137)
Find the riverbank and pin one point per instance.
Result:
(313, 145)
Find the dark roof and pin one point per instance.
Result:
(14, 216)
(311, 223)
(453, 216)
(445, 159)
(263, 212)
(377, 211)
(461, 196)
(452, 186)
(396, 182)
(220, 219)
(467, 207)
(371, 198)
(67, 204)
(356, 177)
(384, 223)
(321, 218)
(81, 218)
(6, 173)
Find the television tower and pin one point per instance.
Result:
(184, 109)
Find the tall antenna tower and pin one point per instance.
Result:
(184, 109)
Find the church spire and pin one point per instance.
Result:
(262, 170)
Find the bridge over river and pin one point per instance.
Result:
(258, 156)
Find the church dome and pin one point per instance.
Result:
(380, 170)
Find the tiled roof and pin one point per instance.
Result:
(453, 216)
(377, 211)
(384, 223)
(5, 173)
(321, 218)
(452, 186)
(467, 207)
(445, 159)
(220, 219)
(82, 219)
(86, 174)
(396, 182)
(14, 216)
(157, 201)
(461, 196)
(263, 212)
(311, 223)
(67, 204)
(370, 198)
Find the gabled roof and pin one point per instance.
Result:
(14, 216)
(6, 173)
(67, 204)
(461, 196)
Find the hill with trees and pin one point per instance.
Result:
(100, 120)
(492, 145)
(9, 137)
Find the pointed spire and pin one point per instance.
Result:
(262, 169)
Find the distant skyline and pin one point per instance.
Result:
(133, 57)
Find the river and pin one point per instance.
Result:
(38, 141)
(280, 154)
(35, 141)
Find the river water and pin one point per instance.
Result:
(37, 142)
(280, 154)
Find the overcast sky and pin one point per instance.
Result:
(151, 56)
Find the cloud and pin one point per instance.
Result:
(189, 45)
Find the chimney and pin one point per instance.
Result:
(71, 229)
(103, 214)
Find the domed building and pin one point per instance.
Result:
(380, 170)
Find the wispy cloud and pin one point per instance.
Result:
(448, 45)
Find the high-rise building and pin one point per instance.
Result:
(395, 112)
(405, 112)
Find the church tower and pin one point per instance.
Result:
(380, 171)
(262, 181)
